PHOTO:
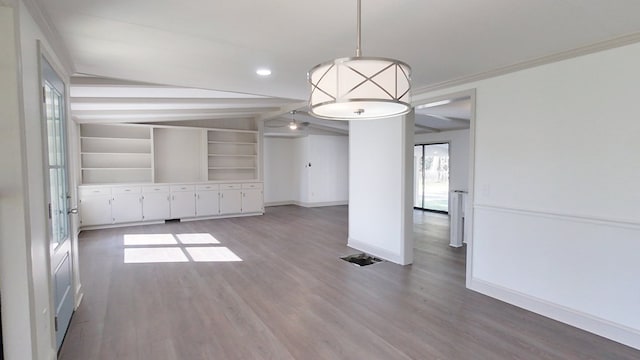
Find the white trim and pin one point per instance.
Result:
(616, 332)
(375, 251)
(621, 223)
(155, 222)
(51, 34)
(79, 296)
(564, 55)
(221, 216)
(318, 204)
(469, 214)
(280, 203)
(112, 226)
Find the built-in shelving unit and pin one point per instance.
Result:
(130, 153)
(115, 154)
(232, 155)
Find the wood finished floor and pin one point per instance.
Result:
(291, 297)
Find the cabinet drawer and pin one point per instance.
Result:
(180, 188)
(230, 186)
(155, 189)
(94, 190)
(125, 190)
(206, 187)
(252, 186)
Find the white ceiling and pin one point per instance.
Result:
(218, 45)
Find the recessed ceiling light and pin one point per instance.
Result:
(433, 104)
(263, 72)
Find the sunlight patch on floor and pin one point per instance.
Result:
(175, 248)
(194, 239)
(154, 255)
(212, 254)
(149, 239)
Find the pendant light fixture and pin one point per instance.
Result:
(360, 87)
(293, 125)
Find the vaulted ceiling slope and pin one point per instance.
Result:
(218, 45)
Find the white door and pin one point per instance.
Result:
(58, 196)
(156, 206)
(252, 201)
(230, 201)
(207, 203)
(126, 208)
(95, 210)
(183, 205)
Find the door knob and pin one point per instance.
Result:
(72, 211)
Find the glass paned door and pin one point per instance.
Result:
(54, 120)
(59, 206)
(431, 178)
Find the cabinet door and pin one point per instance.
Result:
(95, 210)
(230, 201)
(207, 203)
(156, 206)
(126, 208)
(183, 204)
(252, 201)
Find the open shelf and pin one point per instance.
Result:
(115, 153)
(232, 155)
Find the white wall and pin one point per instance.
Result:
(181, 153)
(329, 170)
(556, 207)
(15, 268)
(381, 188)
(290, 180)
(278, 155)
(458, 154)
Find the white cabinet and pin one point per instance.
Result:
(156, 203)
(230, 198)
(241, 198)
(183, 201)
(252, 200)
(207, 200)
(126, 204)
(95, 205)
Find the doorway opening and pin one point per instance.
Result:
(431, 171)
(443, 171)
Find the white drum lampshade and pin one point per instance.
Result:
(360, 88)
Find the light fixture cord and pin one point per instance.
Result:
(358, 42)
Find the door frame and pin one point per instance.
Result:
(43, 54)
(469, 208)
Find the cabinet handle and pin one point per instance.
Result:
(221, 195)
(173, 197)
(198, 196)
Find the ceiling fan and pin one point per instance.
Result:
(293, 125)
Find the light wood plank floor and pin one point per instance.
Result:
(291, 297)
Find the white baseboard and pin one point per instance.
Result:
(307, 204)
(279, 203)
(610, 330)
(109, 226)
(78, 297)
(321, 204)
(375, 251)
(221, 217)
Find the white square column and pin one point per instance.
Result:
(381, 187)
